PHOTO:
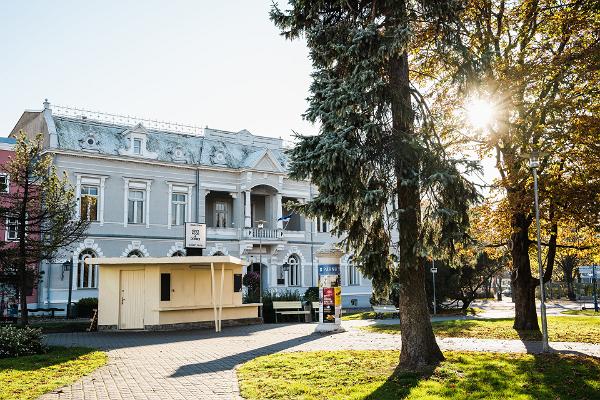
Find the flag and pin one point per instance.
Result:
(285, 219)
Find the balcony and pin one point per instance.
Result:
(262, 234)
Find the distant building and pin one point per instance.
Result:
(8, 228)
(138, 181)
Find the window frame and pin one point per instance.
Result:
(138, 151)
(222, 212)
(7, 229)
(96, 196)
(7, 178)
(82, 268)
(179, 208)
(294, 270)
(135, 203)
(353, 275)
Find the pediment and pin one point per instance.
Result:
(267, 162)
(139, 129)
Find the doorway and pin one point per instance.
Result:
(131, 299)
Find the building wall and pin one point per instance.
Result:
(220, 165)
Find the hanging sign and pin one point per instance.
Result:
(195, 235)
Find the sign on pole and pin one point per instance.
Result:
(195, 235)
(433, 270)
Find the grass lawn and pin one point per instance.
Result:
(590, 313)
(464, 375)
(372, 315)
(560, 329)
(31, 376)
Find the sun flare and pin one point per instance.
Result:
(480, 112)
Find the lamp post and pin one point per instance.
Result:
(534, 163)
(594, 286)
(433, 272)
(260, 224)
(69, 264)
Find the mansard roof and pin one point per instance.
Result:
(239, 150)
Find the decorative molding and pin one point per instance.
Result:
(178, 246)
(135, 245)
(216, 248)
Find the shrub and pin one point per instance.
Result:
(16, 342)
(85, 307)
(311, 294)
(270, 296)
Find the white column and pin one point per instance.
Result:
(248, 211)
(125, 194)
(202, 205)
(78, 192)
(278, 211)
(169, 209)
(101, 211)
(147, 205)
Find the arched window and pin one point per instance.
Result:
(87, 275)
(178, 253)
(218, 253)
(135, 254)
(294, 271)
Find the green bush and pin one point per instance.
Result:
(16, 342)
(269, 297)
(86, 306)
(311, 294)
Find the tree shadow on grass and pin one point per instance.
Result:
(54, 356)
(485, 375)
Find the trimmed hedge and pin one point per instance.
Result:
(85, 307)
(15, 342)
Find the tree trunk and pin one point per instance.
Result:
(523, 283)
(22, 290)
(419, 348)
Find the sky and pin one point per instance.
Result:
(217, 64)
(220, 64)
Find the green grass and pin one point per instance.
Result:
(560, 329)
(590, 313)
(29, 377)
(353, 316)
(464, 375)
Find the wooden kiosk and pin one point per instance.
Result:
(164, 293)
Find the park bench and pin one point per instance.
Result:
(289, 308)
(385, 309)
(51, 310)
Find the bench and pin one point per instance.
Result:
(289, 308)
(385, 309)
(51, 310)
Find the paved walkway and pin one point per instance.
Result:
(201, 364)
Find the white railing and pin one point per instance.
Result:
(265, 234)
(126, 120)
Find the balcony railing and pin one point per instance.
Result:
(264, 234)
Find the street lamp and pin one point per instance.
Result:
(534, 163)
(260, 224)
(69, 265)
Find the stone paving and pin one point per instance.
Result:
(201, 364)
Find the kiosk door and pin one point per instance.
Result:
(131, 314)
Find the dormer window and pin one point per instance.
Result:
(137, 146)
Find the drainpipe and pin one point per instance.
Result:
(198, 195)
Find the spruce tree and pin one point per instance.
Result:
(384, 179)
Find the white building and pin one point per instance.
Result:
(139, 181)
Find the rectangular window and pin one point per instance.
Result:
(137, 146)
(322, 225)
(12, 229)
(89, 203)
(178, 208)
(353, 275)
(165, 287)
(135, 212)
(220, 215)
(4, 183)
(237, 283)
